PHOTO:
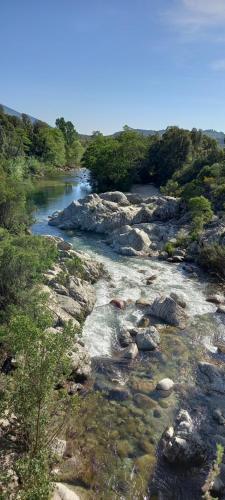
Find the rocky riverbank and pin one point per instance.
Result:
(136, 226)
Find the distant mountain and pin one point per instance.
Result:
(12, 112)
(219, 136)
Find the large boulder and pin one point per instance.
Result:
(129, 239)
(182, 444)
(167, 208)
(83, 293)
(168, 310)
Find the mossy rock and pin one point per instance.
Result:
(144, 401)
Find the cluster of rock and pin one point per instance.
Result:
(127, 220)
(72, 301)
(181, 442)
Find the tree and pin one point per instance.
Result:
(201, 213)
(169, 153)
(73, 148)
(50, 146)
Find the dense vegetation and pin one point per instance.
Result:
(34, 148)
(40, 358)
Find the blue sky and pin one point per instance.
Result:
(106, 63)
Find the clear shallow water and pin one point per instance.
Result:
(134, 428)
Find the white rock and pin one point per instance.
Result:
(166, 384)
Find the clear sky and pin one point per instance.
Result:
(106, 63)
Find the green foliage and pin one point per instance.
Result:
(14, 213)
(212, 258)
(114, 162)
(170, 248)
(201, 213)
(169, 153)
(34, 475)
(23, 259)
(50, 146)
(73, 147)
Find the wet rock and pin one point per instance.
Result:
(130, 352)
(216, 299)
(179, 299)
(166, 384)
(218, 416)
(64, 245)
(151, 278)
(144, 322)
(221, 309)
(119, 303)
(221, 347)
(148, 339)
(167, 309)
(142, 302)
(182, 444)
(176, 259)
(211, 377)
(218, 487)
(125, 338)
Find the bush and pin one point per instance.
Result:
(212, 258)
(23, 259)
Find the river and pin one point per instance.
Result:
(120, 437)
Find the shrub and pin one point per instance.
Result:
(212, 258)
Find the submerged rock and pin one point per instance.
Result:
(168, 310)
(148, 339)
(211, 377)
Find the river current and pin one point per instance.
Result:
(134, 425)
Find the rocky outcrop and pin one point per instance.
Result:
(125, 218)
(182, 444)
(168, 310)
(70, 299)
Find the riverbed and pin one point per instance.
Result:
(116, 439)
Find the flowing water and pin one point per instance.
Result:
(119, 437)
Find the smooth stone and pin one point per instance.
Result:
(118, 393)
(166, 384)
(119, 303)
(130, 352)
